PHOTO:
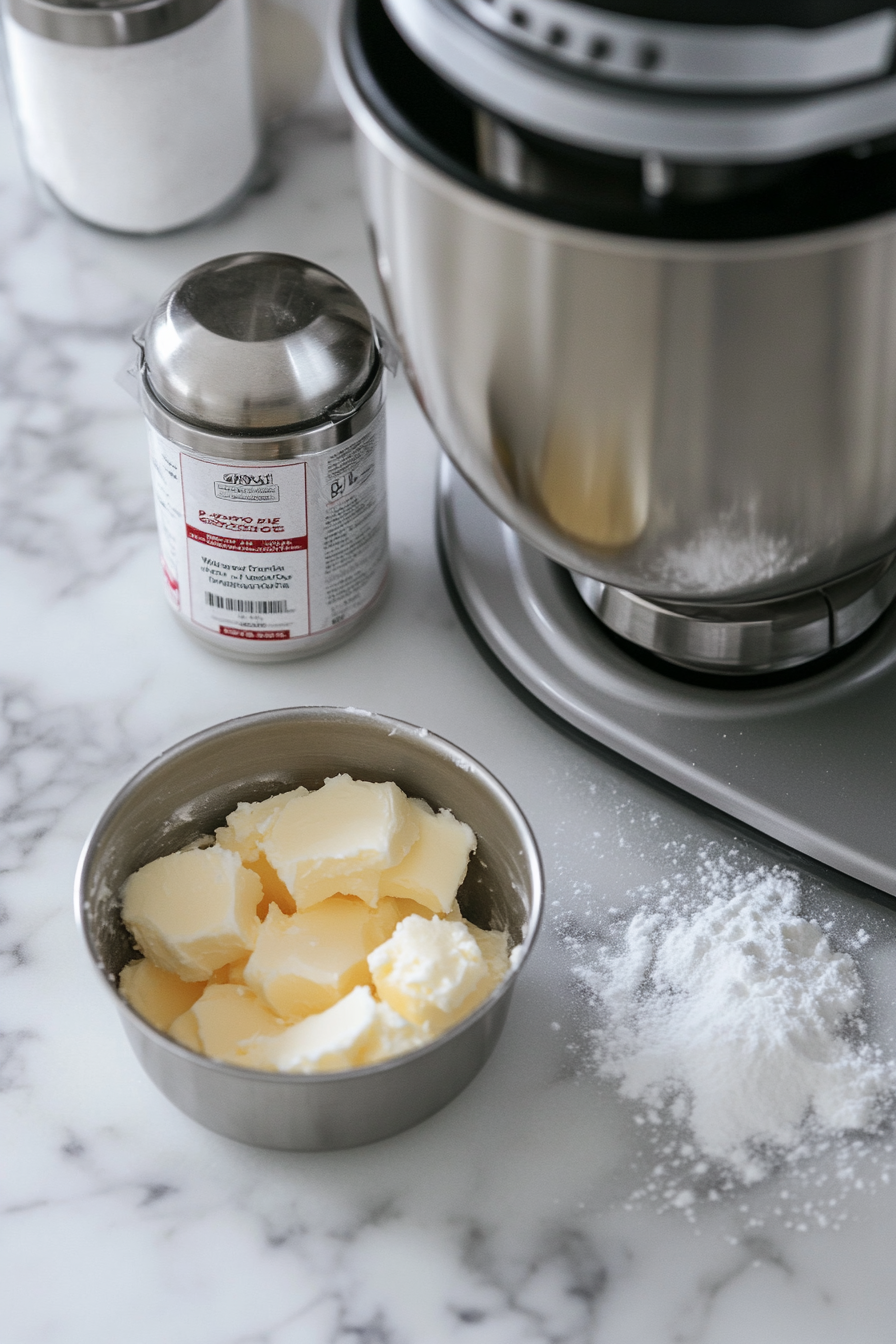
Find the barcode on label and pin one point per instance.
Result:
(248, 606)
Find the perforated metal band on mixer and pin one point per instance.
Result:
(710, 91)
(709, 58)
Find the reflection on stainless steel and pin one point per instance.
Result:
(721, 57)
(589, 108)
(260, 341)
(858, 600)
(808, 762)
(747, 637)
(528, 168)
(616, 400)
(104, 24)
(576, 446)
(186, 793)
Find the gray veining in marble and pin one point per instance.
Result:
(504, 1219)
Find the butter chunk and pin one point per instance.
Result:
(338, 839)
(429, 971)
(245, 826)
(229, 1019)
(194, 912)
(235, 973)
(273, 890)
(434, 867)
(185, 1030)
(155, 994)
(392, 1035)
(304, 963)
(248, 822)
(494, 945)
(388, 913)
(323, 1043)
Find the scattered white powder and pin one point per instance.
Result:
(727, 554)
(733, 1020)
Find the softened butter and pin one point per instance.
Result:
(304, 963)
(321, 931)
(157, 995)
(226, 1020)
(433, 868)
(193, 937)
(246, 824)
(339, 839)
(431, 972)
(323, 1043)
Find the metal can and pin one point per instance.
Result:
(262, 379)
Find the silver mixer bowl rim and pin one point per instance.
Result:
(471, 192)
(408, 148)
(520, 84)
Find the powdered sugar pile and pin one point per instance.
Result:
(729, 1016)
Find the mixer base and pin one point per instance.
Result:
(810, 762)
(749, 637)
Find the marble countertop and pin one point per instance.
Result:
(505, 1218)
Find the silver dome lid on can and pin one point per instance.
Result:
(259, 346)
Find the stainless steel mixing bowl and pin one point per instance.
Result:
(188, 790)
(695, 422)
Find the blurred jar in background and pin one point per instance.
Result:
(138, 118)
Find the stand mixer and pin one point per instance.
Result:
(640, 261)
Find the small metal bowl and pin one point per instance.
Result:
(188, 790)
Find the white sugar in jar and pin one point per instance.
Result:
(139, 118)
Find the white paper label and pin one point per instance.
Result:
(272, 550)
